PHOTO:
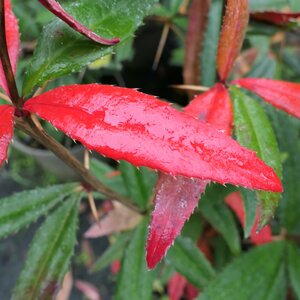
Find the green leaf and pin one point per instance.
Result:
(287, 129)
(294, 268)
(221, 252)
(113, 253)
(210, 44)
(50, 252)
(61, 50)
(135, 281)
(216, 212)
(189, 261)
(254, 275)
(139, 183)
(267, 4)
(108, 176)
(249, 200)
(254, 131)
(21, 209)
(194, 226)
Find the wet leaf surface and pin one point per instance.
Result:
(57, 10)
(125, 124)
(6, 129)
(281, 94)
(12, 40)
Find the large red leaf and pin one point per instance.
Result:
(281, 94)
(13, 41)
(232, 35)
(177, 197)
(57, 10)
(6, 129)
(276, 17)
(235, 202)
(125, 124)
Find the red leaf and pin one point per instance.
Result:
(175, 200)
(213, 107)
(232, 35)
(281, 94)
(276, 17)
(173, 206)
(13, 42)
(125, 124)
(191, 292)
(57, 10)
(176, 286)
(6, 129)
(235, 202)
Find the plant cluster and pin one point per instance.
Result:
(183, 155)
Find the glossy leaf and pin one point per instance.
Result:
(57, 10)
(61, 50)
(214, 210)
(254, 131)
(294, 268)
(276, 17)
(113, 253)
(125, 124)
(21, 209)
(213, 107)
(175, 201)
(235, 202)
(173, 206)
(210, 44)
(50, 252)
(135, 281)
(12, 40)
(6, 129)
(232, 35)
(254, 274)
(138, 182)
(281, 94)
(190, 262)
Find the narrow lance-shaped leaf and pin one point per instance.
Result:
(197, 17)
(6, 129)
(232, 35)
(57, 10)
(175, 200)
(61, 50)
(259, 273)
(276, 17)
(177, 197)
(134, 280)
(13, 41)
(281, 94)
(21, 209)
(49, 254)
(254, 130)
(125, 124)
